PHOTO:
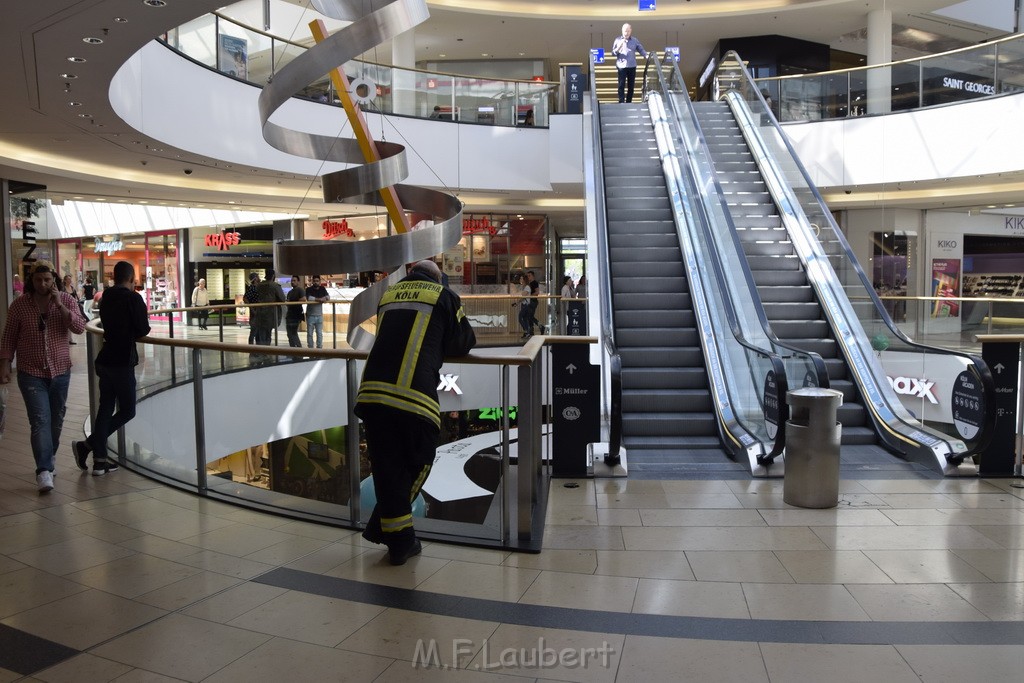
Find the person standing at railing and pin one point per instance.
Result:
(568, 292)
(36, 332)
(125, 319)
(419, 323)
(316, 295)
(531, 282)
(201, 297)
(294, 315)
(625, 48)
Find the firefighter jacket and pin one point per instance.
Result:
(419, 322)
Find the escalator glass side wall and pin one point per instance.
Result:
(719, 237)
(736, 372)
(908, 385)
(733, 324)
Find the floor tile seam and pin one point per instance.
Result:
(689, 627)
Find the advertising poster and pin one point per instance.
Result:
(946, 283)
(234, 57)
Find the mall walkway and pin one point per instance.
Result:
(120, 578)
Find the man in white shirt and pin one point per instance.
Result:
(625, 48)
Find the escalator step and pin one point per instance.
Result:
(665, 378)
(636, 285)
(668, 424)
(678, 318)
(666, 400)
(661, 357)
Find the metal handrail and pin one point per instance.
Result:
(820, 371)
(981, 369)
(607, 324)
(689, 213)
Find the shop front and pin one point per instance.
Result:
(90, 261)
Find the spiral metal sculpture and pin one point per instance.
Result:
(366, 181)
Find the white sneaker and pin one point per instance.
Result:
(45, 481)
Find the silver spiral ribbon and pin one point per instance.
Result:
(361, 183)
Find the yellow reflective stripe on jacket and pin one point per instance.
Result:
(411, 357)
(386, 398)
(414, 291)
(390, 525)
(403, 393)
(460, 314)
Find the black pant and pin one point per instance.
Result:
(117, 385)
(201, 316)
(627, 79)
(401, 448)
(292, 326)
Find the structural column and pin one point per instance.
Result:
(879, 52)
(403, 56)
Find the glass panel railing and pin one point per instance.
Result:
(255, 56)
(874, 346)
(197, 39)
(290, 449)
(738, 370)
(993, 68)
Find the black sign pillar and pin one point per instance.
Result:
(576, 313)
(572, 88)
(1003, 358)
(576, 408)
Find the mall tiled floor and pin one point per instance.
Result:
(120, 578)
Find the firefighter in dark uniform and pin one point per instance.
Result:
(419, 323)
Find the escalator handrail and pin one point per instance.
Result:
(607, 335)
(975, 362)
(732, 318)
(815, 359)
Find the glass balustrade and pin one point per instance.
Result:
(994, 68)
(255, 56)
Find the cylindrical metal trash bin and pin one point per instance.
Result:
(812, 448)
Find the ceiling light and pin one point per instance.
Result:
(120, 20)
(78, 197)
(77, 60)
(85, 116)
(92, 41)
(155, 3)
(68, 77)
(101, 199)
(74, 104)
(484, 54)
(442, 55)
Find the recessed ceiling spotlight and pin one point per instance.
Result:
(442, 55)
(74, 104)
(85, 116)
(68, 77)
(155, 3)
(101, 199)
(120, 20)
(78, 197)
(92, 41)
(77, 60)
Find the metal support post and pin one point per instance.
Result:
(506, 489)
(200, 421)
(352, 441)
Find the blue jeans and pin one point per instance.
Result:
(117, 385)
(44, 403)
(315, 321)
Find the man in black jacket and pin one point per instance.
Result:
(125, 319)
(419, 323)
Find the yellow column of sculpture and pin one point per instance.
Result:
(362, 132)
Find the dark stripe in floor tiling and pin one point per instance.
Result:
(25, 653)
(697, 628)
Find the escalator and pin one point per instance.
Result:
(669, 426)
(809, 279)
(790, 303)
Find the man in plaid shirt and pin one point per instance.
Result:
(36, 332)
